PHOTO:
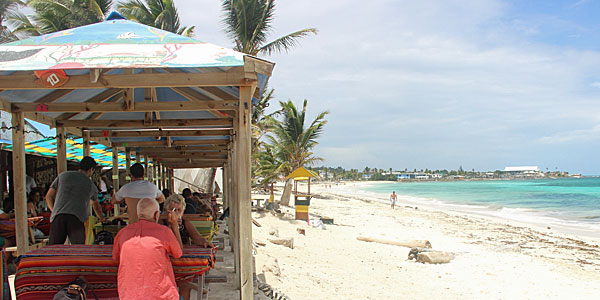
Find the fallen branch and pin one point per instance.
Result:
(408, 244)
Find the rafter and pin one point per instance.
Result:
(161, 133)
(120, 107)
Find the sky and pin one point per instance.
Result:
(439, 84)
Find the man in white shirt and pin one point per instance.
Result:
(137, 189)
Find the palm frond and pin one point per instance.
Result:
(287, 42)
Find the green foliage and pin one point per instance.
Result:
(289, 143)
(7, 9)
(160, 14)
(248, 23)
(56, 15)
(292, 140)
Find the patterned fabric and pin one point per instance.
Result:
(42, 272)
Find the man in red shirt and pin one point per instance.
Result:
(142, 249)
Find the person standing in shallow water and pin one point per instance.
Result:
(393, 198)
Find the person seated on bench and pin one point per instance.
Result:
(175, 204)
(142, 250)
(137, 189)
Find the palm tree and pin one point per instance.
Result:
(293, 141)
(248, 23)
(7, 8)
(56, 15)
(161, 14)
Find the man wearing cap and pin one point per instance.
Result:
(137, 189)
(69, 199)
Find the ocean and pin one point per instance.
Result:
(569, 204)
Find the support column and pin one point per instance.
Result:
(163, 178)
(146, 171)
(234, 213)
(61, 150)
(115, 176)
(243, 153)
(18, 161)
(159, 175)
(172, 180)
(127, 165)
(155, 171)
(86, 143)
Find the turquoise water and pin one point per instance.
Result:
(572, 200)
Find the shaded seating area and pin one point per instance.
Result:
(43, 271)
(170, 102)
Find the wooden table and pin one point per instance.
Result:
(42, 272)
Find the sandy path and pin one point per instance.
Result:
(494, 260)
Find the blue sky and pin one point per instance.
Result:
(440, 83)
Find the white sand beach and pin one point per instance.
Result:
(494, 259)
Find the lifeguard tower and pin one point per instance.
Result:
(301, 200)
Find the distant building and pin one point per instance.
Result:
(528, 171)
(366, 176)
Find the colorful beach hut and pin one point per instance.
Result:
(301, 200)
(168, 99)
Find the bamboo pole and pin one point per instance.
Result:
(243, 153)
(61, 150)
(18, 160)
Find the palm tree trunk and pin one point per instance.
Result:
(287, 192)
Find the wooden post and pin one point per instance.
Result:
(234, 216)
(18, 160)
(225, 187)
(146, 173)
(155, 172)
(61, 150)
(159, 176)
(163, 178)
(243, 153)
(127, 165)
(86, 143)
(172, 181)
(115, 176)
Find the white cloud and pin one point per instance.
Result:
(437, 81)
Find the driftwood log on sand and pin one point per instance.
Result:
(407, 244)
(434, 257)
(283, 242)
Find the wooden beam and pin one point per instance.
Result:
(174, 144)
(20, 198)
(122, 107)
(177, 149)
(243, 176)
(115, 176)
(192, 160)
(194, 165)
(61, 150)
(162, 133)
(86, 143)
(159, 169)
(142, 124)
(127, 166)
(234, 77)
(164, 176)
(193, 155)
(53, 96)
(147, 173)
(108, 96)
